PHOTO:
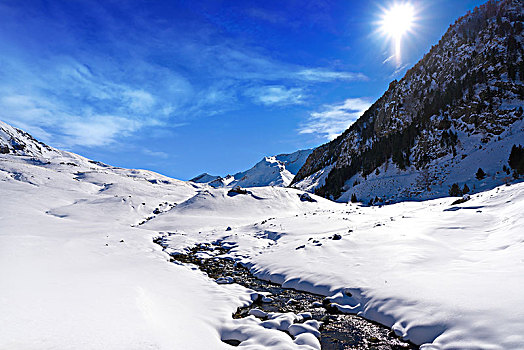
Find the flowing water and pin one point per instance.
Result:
(338, 331)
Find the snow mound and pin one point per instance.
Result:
(221, 208)
(441, 275)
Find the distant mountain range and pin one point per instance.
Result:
(277, 170)
(457, 110)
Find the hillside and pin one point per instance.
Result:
(457, 109)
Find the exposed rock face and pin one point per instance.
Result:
(464, 94)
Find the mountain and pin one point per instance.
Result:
(17, 142)
(204, 178)
(458, 109)
(27, 160)
(277, 170)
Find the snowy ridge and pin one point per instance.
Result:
(204, 178)
(17, 142)
(276, 170)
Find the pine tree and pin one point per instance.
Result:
(353, 198)
(516, 159)
(480, 174)
(465, 189)
(454, 190)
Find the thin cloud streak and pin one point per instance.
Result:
(334, 119)
(320, 75)
(276, 95)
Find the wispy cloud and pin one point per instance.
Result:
(274, 17)
(76, 105)
(116, 77)
(322, 75)
(334, 119)
(231, 61)
(156, 154)
(97, 130)
(276, 95)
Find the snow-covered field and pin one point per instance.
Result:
(79, 269)
(451, 276)
(78, 272)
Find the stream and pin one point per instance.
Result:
(337, 332)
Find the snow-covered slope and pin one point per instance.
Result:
(219, 209)
(446, 276)
(462, 102)
(435, 180)
(79, 268)
(79, 271)
(277, 170)
(76, 275)
(17, 142)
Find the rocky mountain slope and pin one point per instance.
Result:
(457, 109)
(17, 142)
(276, 170)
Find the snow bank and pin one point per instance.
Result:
(440, 275)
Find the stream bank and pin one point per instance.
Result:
(336, 332)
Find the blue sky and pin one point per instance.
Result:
(183, 87)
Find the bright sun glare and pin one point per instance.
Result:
(397, 21)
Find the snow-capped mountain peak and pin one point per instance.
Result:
(276, 170)
(17, 142)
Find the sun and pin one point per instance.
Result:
(396, 22)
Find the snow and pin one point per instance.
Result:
(310, 326)
(204, 178)
(258, 313)
(444, 276)
(394, 184)
(276, 170)
(225, 280)
(78, 272)
(79, 268)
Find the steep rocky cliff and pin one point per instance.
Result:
(464, 96)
